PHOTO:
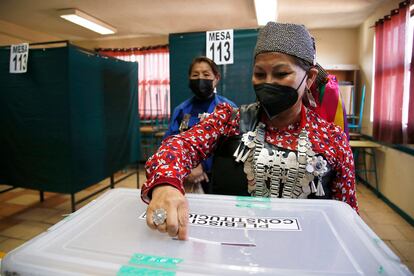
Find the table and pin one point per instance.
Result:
(363, 148)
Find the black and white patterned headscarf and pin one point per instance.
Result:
(290, 39)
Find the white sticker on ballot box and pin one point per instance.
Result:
(249, 223)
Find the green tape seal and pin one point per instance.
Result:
(253, 199)
(138, 271)
(253, 205)
(155, 261)
(253, 202)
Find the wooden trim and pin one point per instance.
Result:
(342, 67)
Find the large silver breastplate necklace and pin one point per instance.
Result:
(276, 173)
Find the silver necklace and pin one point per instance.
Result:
(271, 173)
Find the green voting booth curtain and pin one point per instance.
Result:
(69, 122)
(235, 81)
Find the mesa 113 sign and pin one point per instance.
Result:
(219, 46)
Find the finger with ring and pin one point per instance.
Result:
(159, 216)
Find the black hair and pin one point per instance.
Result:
(211, 63)
(305, 65)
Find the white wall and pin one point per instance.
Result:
(396, 174)
(336, 46)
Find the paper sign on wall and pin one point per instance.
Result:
(219, 46)
(19, 55)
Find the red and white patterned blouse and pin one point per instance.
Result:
(180, 153)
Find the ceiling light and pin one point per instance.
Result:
(87, 21)
(266, 10)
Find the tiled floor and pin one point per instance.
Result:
(22, 216)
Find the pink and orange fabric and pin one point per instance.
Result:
(329, 102)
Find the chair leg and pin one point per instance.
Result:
(374, 161)
(364, 159)
(355, 152)
(356, 161)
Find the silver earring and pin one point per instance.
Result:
(311, 99)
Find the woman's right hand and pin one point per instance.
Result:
(170, 199)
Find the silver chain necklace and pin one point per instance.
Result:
(273, 173)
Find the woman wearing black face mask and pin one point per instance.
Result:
(203, 77)
(275, 147)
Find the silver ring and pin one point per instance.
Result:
(159, 216)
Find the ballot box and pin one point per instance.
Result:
(227, 236)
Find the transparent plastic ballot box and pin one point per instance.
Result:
(228, 235)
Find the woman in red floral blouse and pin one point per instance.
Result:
(282, 148)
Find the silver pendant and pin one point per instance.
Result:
(291, 161)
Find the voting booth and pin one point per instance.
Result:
(227, 236)
(69, 117)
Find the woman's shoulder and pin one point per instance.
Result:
(222, 99)
(328, 139)
(329, 128)
(225, 107)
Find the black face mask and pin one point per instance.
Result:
(275, 98)
(202, 88)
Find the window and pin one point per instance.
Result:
(153, 78)
(391, 95)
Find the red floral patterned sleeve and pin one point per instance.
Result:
(180, 153)
(343, 186)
